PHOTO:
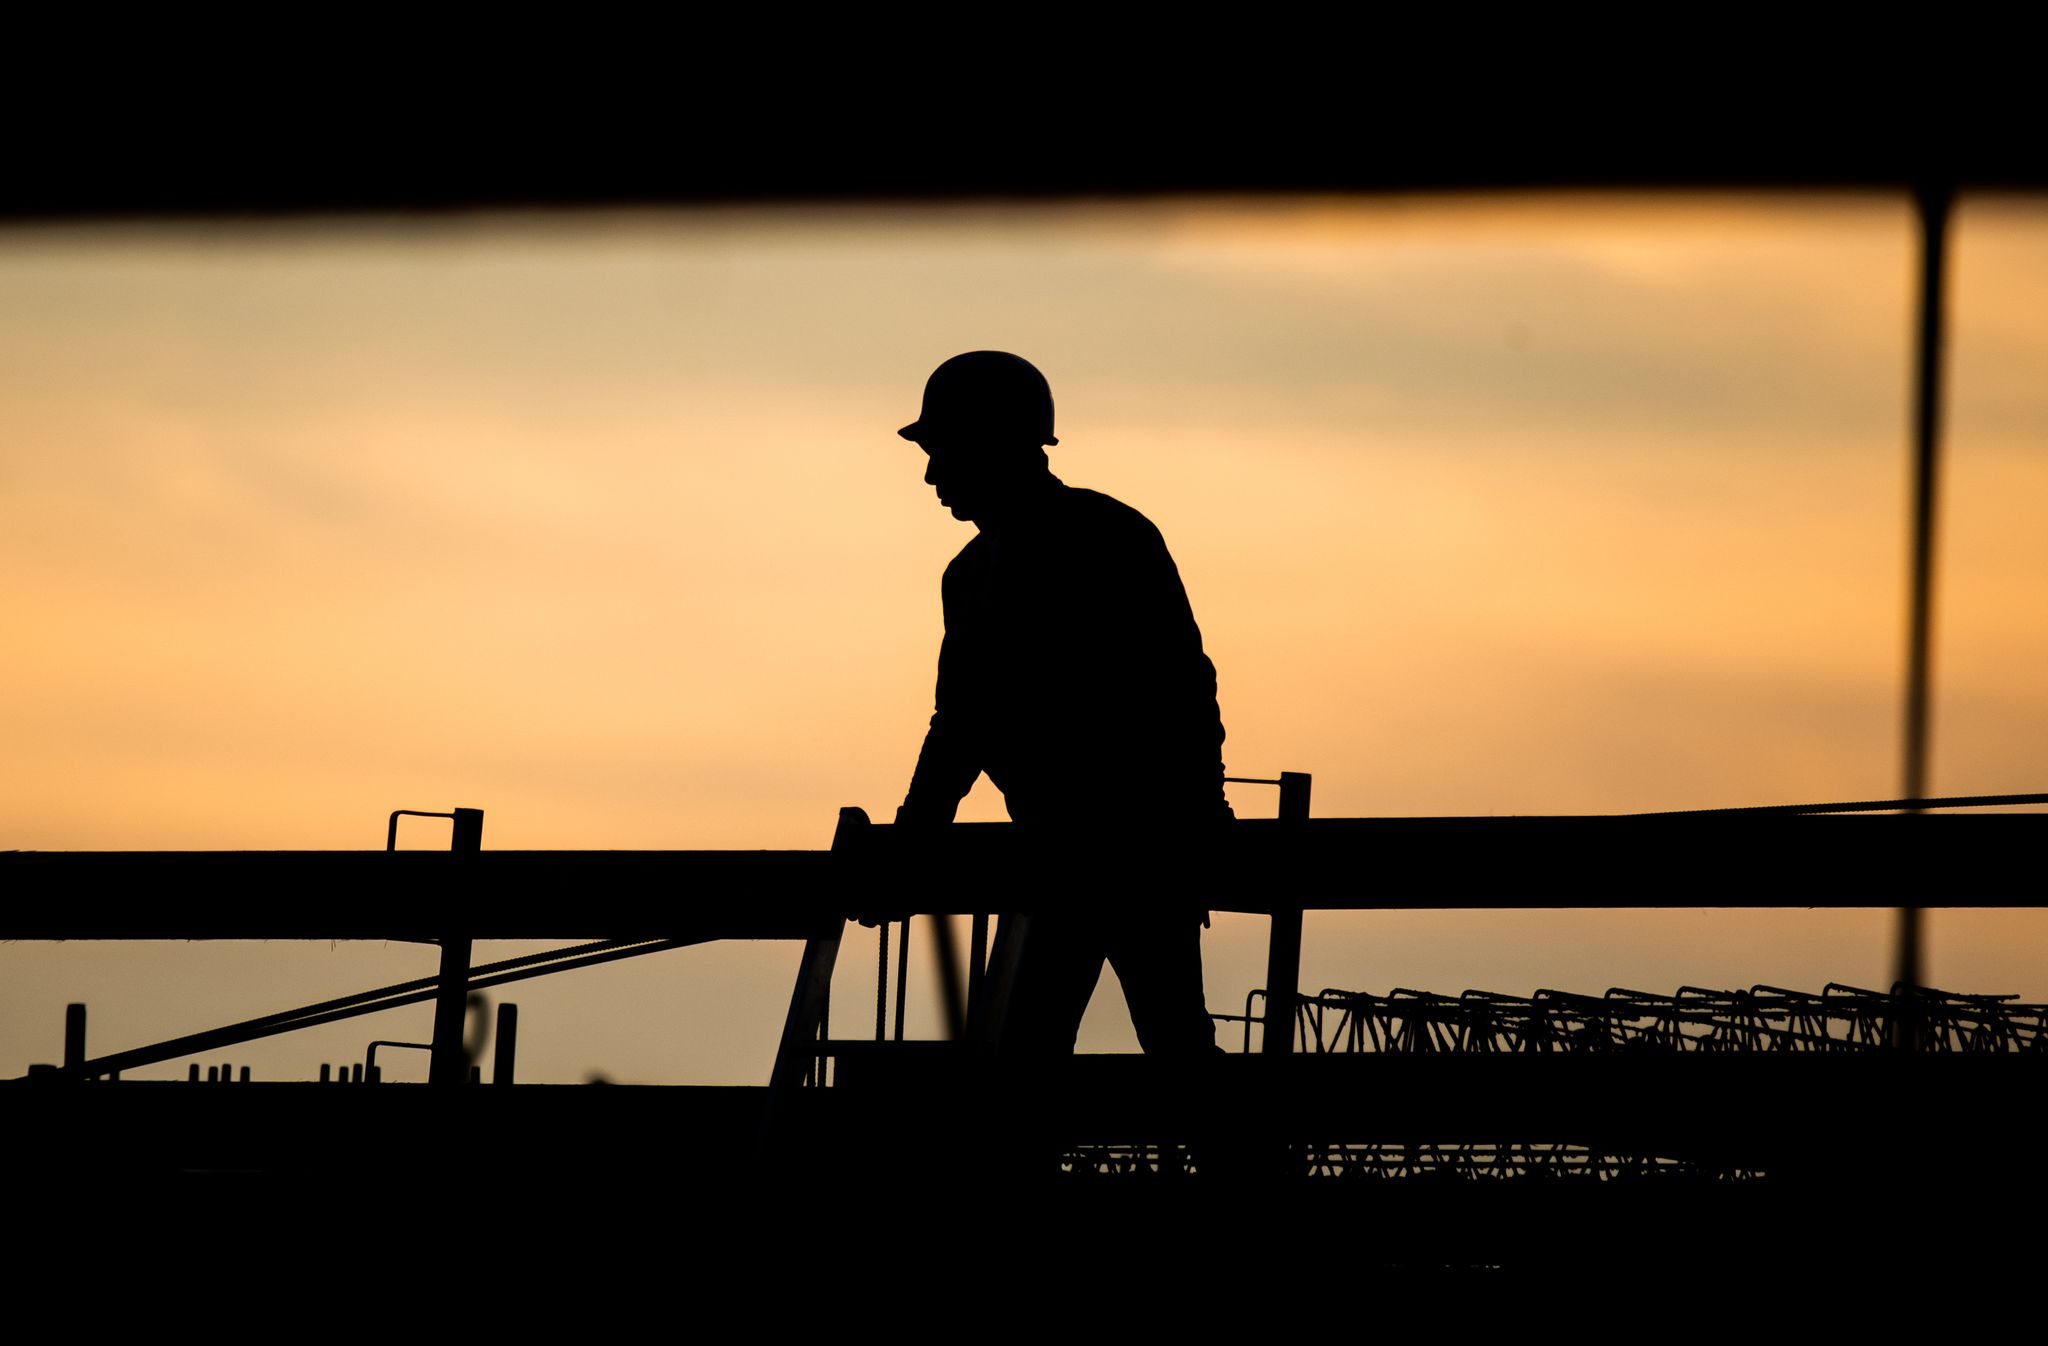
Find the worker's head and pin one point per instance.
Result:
(986, 420)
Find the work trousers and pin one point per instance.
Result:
(1157, 958)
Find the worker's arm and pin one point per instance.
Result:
(947, 764)
(951, 757)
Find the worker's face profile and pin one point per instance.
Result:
(957, 470)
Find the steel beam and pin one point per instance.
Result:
(1332, 864)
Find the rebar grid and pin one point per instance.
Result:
(1392, 1160)
(1763, 1018)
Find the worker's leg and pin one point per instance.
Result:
(1159, 962)
(1061, 962)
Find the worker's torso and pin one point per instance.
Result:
(1079, 668)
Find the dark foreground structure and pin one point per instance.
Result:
(1398, 1131)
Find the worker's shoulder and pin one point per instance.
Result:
(969, 557)
(1095, 512)
(975, 550)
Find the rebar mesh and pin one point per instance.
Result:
(1763, 1018)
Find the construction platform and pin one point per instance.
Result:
(1397, 1131)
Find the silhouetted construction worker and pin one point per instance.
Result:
(1072, 672)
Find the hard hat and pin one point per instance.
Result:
(984, 392)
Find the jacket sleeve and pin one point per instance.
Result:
(950, 759)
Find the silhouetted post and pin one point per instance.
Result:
(74, 1039)
(1283, 945)
(977, 961)
(882, 981)
(810, 1000)
(1933, 201)
(951, 994)
(998, 980)
(506, 1049)
(902, 974)
(450, 1064)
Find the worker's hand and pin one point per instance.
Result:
(911, 817)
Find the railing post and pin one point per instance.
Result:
(506, 1044)
(1283, 945)
(810, 1000)
(450, 1064)
(977, 963)
(74, 1040)
(902, 975)
(998, 980)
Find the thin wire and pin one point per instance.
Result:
(1859, 806)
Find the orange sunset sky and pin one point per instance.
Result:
(598, 521)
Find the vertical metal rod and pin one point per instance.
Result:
(948, 958)
(881, 981)
(468, 836)
(449, 1063)
(1933, 201)
(818, 1064)
(1283, 945)
(977, 960)
(74, 1037)
(798, 1061)
(902, 974)
(1000, 979)
(505, 1053)
(1295, 787)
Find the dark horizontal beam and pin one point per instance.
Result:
(1940, 1118)
(841, 128)
(1705, 860)
(399, 187)
(409, 894)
